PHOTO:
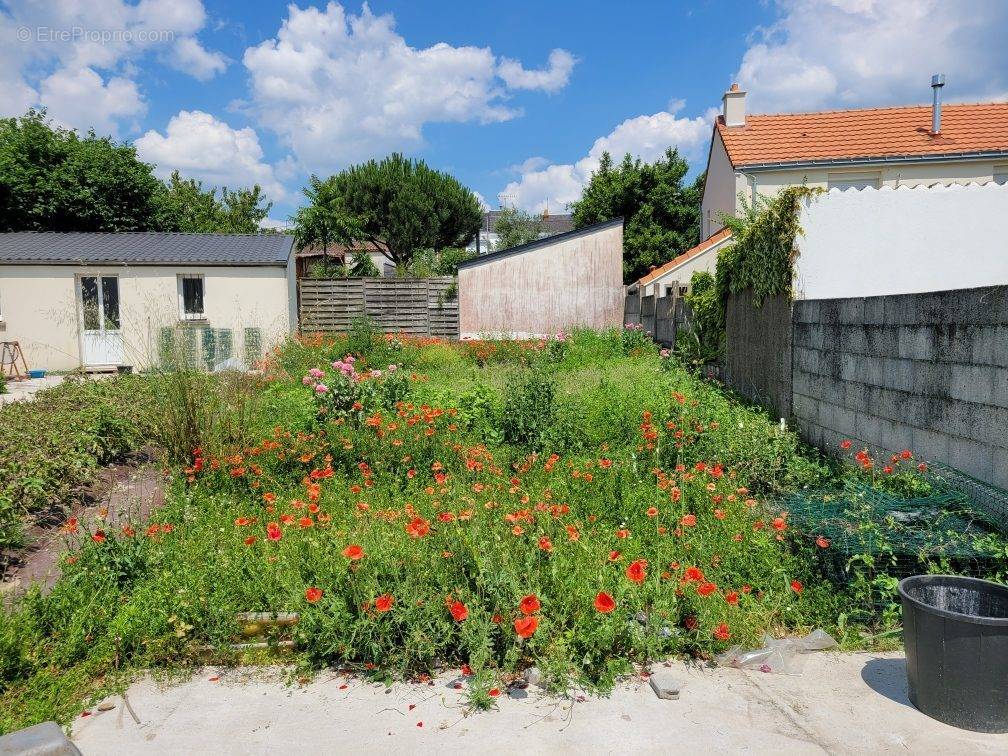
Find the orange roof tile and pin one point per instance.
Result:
(871, 133)
(711, 241)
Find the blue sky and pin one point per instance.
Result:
(517, 99)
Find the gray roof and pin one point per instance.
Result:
(144, 248)
(546, 241)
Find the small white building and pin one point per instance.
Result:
(100, 300)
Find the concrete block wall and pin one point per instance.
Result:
(928, 372)
(757, 360)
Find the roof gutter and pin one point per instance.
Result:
(858, 161)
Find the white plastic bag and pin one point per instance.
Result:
(780, 655)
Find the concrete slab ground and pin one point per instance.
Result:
(841, 704)
(20, 391)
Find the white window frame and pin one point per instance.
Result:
(190, 316)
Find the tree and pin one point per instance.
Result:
(661, 214)
(51, 179)
(402, 206)
(324, 221)
(515, 227)
(183, 205)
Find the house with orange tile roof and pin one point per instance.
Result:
(909, 146)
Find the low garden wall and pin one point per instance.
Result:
(928, 372)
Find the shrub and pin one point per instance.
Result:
(528, 410)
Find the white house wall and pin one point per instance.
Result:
(38, 307)
(900, 241)
(719, 191)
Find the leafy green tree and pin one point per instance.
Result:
(363, 266)
(52, 179)
(325, 220)
(660, 212)
(515, 227)
(402, 206)
(184, 205)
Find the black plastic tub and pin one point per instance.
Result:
(955, 630)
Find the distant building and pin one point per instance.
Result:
(488, 237)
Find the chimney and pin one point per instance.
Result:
(937, 82)
(733, 106)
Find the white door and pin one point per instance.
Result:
(101, 337)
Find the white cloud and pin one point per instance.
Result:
(550, 79)
(190, 56)
(274, 224)
(851, 53)
(200, 146)
(81, 96)
(336, 87)
(56, 54)
(646, 137)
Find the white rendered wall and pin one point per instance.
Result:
(902, 241)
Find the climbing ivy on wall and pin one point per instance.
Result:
(762, 253)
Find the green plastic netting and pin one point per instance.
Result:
(960, 526)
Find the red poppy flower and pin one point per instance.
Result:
(605, 464)
(693, 575)
(242, 522)
(845, 444)
(906, 454)
(418, 527)
(731, 597)
(525, 626)
(573, 533)
(691, 623)
(496, 619)
(493, 692)
(688, 520)
(384, 602)
(353, 552)
(779, 523)
(706, 589)
(822, 542)
(250, 540)
(722, 633)
(99, 536)
(604, 603)
(614, 556)
(622, 533)
(529, 604)
(128, 531)
(313, 594)
(466, 670)
(458, 611)
(545, 544)
(652, 512)
(796, 586)
(636, 570)
(273, 531)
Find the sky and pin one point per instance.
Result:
(518, 100)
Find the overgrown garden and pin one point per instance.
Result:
(581, 503)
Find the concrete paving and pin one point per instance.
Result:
(20, 391)
(842, 703)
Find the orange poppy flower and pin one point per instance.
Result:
(545, 544)
(604, 603)
(637, 570)
(384, 602)
(796, 586)
(722, 633)
(529, 604)
(353, 552)
(418, 527)
(313, 594)
(525, 626)
(458, 611)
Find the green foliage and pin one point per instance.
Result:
(402, 206)
(52, 179)
(184, 205)
(52, 446)
(661, 215)
(515, 227)
(705, 342)
(325, 221)
(762, 252)
(528, 410)
(363, 266)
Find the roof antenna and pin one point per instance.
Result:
(937, 82)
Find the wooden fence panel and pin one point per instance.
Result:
(418, 306)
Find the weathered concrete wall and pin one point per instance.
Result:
(928, 372)
(546, 286)
(758, 351)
